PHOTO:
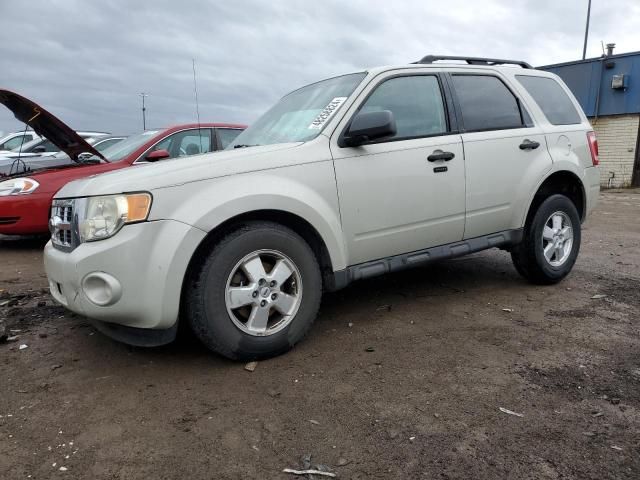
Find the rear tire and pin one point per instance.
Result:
(551, 242)
(257, 293)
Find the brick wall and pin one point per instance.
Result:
(617, 137)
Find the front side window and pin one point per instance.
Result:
(48, 146)
(416, 103)
(486, 103)
(186, 143)
(301, 115)
(552, 99)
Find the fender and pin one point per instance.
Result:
(309, 193)
(558, 166)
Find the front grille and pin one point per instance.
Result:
(62, 225)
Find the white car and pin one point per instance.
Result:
(42, 147)
(344, 179)
(15, 139)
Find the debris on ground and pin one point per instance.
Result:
(23, 346)
(384, 307)
(370, 349)
(598, 296)
(508, 310)
(597, 414)
(251, 366)
(309, 472)
(616, 447)
(315, 422)
(510, 412)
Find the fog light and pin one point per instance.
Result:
(101, 289)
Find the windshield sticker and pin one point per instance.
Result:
(326, 113)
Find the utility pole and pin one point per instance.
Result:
(586, 32)
(144, 110)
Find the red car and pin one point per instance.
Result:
(25, 198)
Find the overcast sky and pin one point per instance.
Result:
(87, 61)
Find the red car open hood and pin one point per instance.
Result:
(46, 125)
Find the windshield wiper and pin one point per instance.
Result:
(242, 145)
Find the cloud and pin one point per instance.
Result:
(87, 62)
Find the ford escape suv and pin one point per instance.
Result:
(344, 179)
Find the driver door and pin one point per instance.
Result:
(394, 198)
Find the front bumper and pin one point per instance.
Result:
(25, 214)
(130, 281)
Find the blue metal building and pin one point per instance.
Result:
(608, 88)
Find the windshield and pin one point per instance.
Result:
(126, 147)
(301, 115)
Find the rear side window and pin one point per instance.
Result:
(486, 103)
(416, 104)
(552, 99)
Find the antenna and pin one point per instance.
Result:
(195, 92)
(144, 110)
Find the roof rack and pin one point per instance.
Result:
(473, 60)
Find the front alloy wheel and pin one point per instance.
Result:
(264, 292)
(255, 292)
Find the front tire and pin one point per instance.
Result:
(551, 242)
(257, 293)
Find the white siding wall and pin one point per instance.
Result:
(617, 137)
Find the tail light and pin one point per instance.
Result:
(593, 147)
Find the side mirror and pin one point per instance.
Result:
(370, 126)
(157, 155)
(39, 149)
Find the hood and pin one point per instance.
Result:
(46, 125)
(178, 171)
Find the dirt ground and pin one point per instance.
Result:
(403, 376)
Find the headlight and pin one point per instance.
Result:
(18, 186)
(104, 216)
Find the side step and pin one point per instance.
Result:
(404, 261)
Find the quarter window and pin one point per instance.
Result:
(486, 103)
(552, 99)
(227, 135)
(416, 104)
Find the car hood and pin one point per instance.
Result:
(46, 125)
(178, 171)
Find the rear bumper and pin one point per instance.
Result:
(129, 283)
(25, 214)
(592, 189)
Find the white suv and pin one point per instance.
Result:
(343, 179)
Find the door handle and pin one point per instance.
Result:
(440, 155)
(529, 145)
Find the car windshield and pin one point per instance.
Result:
(126, 147)
(301, 115)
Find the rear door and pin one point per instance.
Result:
(504, 151)
(394, 199)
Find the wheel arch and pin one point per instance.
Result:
(295, 222)
(562, 182)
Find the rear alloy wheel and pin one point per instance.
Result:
(551, 242)
(256, 294)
